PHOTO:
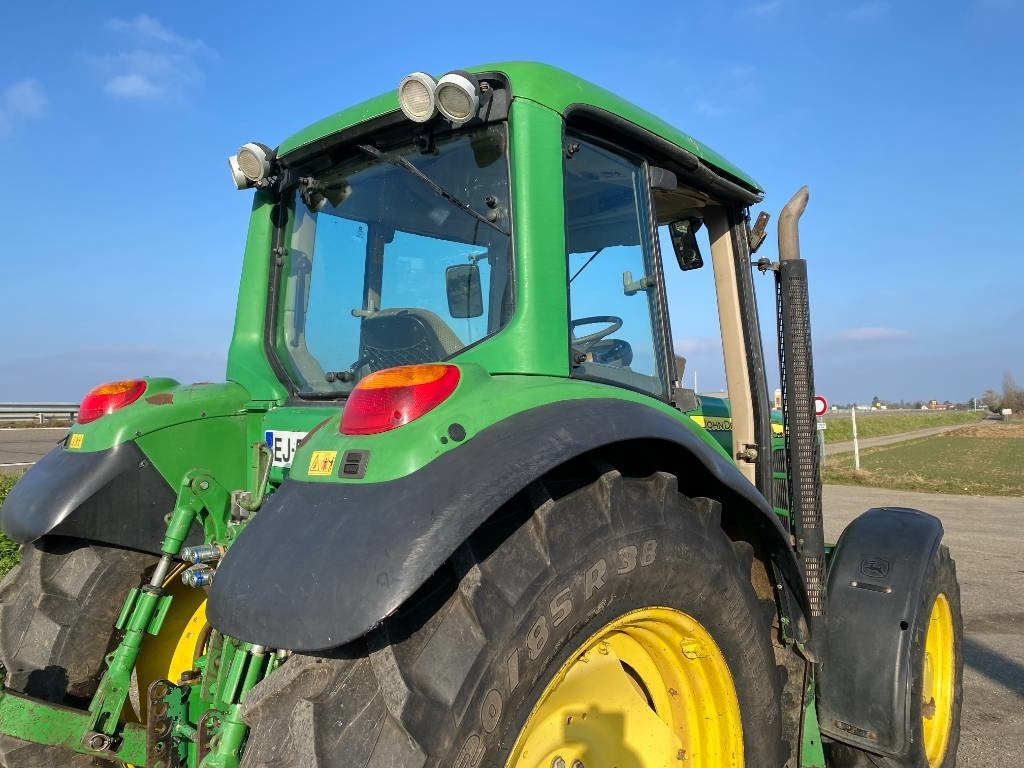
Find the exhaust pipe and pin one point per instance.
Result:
(796, 367)
(789, 219)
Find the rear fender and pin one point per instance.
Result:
(323, 563)
(875, 582)
(113, 496)
(114, 479)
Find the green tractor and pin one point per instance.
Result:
(452, 506)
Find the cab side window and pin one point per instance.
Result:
(613, 290)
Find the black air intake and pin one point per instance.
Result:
(795, 364)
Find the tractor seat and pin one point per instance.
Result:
(405, 336)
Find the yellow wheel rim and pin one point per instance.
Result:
(649, 689)
(937, 682)
(180, 642)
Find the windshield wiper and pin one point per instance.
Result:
(405, 165)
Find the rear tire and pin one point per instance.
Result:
(57, 610)
(454, 676)
(936, 679)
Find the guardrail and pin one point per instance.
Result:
(37, 412)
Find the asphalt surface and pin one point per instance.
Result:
(986, 538)
(23, 446)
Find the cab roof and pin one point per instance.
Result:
(549, 86)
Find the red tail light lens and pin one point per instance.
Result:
(107, 398)
(395, 396)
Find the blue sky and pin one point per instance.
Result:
(123, 234)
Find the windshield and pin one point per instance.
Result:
(387, 268)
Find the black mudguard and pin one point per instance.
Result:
(114, 496)
(875, 585)
(323, 563)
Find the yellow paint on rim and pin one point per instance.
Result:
(650, 689)
(181, 639)
(938, 681)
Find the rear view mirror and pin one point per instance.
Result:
(462, 283)
(684, 242)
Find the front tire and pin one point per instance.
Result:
(569, 627)
(936, 686)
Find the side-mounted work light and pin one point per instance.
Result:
(251, 165)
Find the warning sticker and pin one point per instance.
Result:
(321, 463)
(75, 440)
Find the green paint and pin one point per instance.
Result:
(166, 403)
(539, 241)
(812, 754)
(247, 361)
(548, 86)
(479, 401)
(44, 723)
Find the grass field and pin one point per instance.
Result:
(882, 423)
(981, 460)
(8, 549)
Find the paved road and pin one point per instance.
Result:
(985, 535)
(873, 442)
(23, 446)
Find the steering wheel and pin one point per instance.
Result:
(584, 342)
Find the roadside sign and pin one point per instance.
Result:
(820, 405)
(822, 426)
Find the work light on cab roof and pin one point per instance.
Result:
(456, 96)
(251, 165)
(416, 96)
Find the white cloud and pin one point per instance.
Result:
(23, 100)
(869, 11)
(870, 334)
(762, 9)
(146, 26)
(161, 65)
(133, 86)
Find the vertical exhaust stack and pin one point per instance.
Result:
(797, 371)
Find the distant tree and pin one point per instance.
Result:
(992, 399)
(917, 405)
(1013, 396)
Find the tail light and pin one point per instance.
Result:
(107, 398)
(395, 396)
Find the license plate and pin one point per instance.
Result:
(282, 446)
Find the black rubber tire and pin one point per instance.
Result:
(436, 683)
(941, 579)
(57, 611)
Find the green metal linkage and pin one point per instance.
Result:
(143, 613)
(47, 723)
(99, 731)
(249, 665)
(812, 753)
